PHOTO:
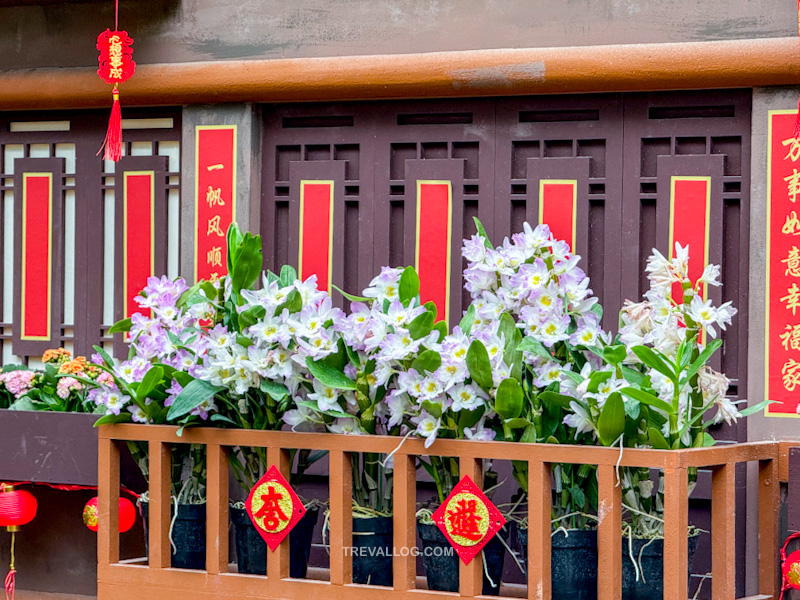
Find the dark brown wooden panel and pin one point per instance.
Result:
(55, 168)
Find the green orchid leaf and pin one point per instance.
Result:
(611, 423)
(649, 357)
(408, 288)
(329, 376)
(421, 326)
(702, 359)
(557, 399)
(508, 401)
(756, 408)
(277, 391)
(192, 396)
(151, 379)
(657, 440)
(121, 326)
(427, 362)
(647, 398)
(479, 366)
(123, 417)
(432, 408)
(468, 320)
(288, 275)
(534, 346)
(615, 354)
(351, 297)
(482, 232)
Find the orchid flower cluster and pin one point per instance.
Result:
(528, 362)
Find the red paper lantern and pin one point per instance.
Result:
(127, 514)
(17, 507)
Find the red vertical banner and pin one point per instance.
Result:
(782, 357)
(139, 235)
(558, 202)
(689, 221)
(215, 197)
(37, 255)
(433, 236)
(315, 254)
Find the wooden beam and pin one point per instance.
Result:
(504, 72)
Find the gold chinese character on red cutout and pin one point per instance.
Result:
(214, 197)
(214, 277)
(468, 519)
(790, 338)
(791, 374)
(274, 507)
(792, 262)
(213, 226)
(792, 299)
(214, 256)
(792, 224)
(794, 148)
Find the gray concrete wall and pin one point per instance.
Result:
(64, 33)
(248, 170)
(760, 427)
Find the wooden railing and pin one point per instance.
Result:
(156, 580)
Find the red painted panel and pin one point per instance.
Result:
(215, 198)
(434, 214)
(783, 267)
(557, 204)
(689, 223)
(37, 256)
(316, 232)
(139, 236)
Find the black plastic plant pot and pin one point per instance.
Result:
(251, 549)
(442, 563)
(573, 565)
(372, 556)
(188, 535)
(651, 563)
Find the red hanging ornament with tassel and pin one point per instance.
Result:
(116, 67)
(17, 508)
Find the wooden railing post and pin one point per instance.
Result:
(217, 509)
(540, 507)
(470, 577)
(404, 506)
(768, 516)
(723, 532)
(160, 500)
(676, 532)
(609, 536)
(341, 517)
(278, 561)
(108, 502)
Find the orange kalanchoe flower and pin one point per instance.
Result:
(74, 366)
(60, 356)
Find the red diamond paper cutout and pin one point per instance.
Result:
(274, 507)
(468, 519)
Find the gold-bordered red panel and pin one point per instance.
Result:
(433, 241)
(215, 197)
(37, 256)
(689, 222)
(782, 311)
(138, 261)
(558, 204)
(315, 252)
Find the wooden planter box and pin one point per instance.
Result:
(158, 581)
(48, 447)
(56, 552)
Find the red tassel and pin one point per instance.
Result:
(113, 141)
(9, 586)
